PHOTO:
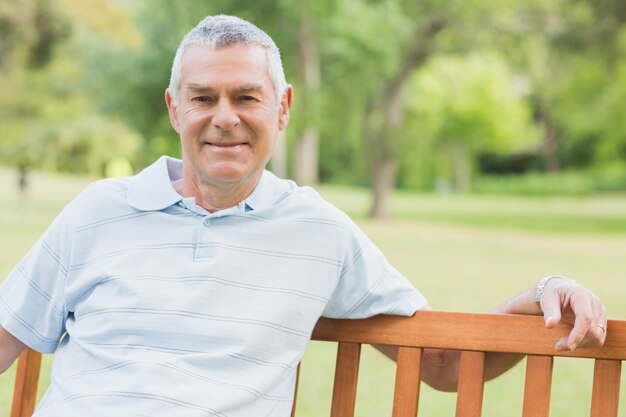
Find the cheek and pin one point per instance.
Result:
(194, 119)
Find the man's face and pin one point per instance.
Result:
(228, 116)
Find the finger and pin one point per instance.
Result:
(551, 307)
(583, 310)
(596, 335)
(561, 345)
(600, 323)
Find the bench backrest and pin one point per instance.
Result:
(474, 334)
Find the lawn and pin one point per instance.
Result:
(464, 253)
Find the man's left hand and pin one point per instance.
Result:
(565, 300)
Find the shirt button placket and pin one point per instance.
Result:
(206, 221)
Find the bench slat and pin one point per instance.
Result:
(26, 379)
(346, 377)
(605, 394)
(469, 402)
(538, 385)
(408, 378)
(469, 331)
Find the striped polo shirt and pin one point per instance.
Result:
(156, 307)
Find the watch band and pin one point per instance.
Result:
(541, 286)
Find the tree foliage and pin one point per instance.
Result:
(395, 91)
(467, 105)
(48, 114)
(29, 32)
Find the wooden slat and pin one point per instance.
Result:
(295, 392)
(408, 378)
(26, 379)
(346, 377)
(469, 331)
(469, 402)
(605, 394)
(537, 387)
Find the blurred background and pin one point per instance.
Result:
(480, 143)
(483, 96)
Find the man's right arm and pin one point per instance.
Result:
(10, 349)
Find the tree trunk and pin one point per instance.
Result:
(383, 182)
(305, 171)
(307, 144)
(278, 163)
(550, 146)
(386, 113)
(462, 169)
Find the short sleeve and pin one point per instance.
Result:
(369, 285)
(32, 304)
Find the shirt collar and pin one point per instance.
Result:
(268, 191)
(152, 188)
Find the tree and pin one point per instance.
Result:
(387, 57)
(386, 109)
(467, 105)
(85, 145)
(49, 117)
(306, 152)
(589, 111)
(29, 32)
(568, 51)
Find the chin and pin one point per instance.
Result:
(228, 174)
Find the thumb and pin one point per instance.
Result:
(551, 308)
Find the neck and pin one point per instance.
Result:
(215, 197)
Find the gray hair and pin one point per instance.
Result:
(222, 30)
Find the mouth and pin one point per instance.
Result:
(226, 144)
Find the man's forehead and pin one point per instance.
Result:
(241, 88)
(241, 67)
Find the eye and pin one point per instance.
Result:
(247, 98)
(202, 99)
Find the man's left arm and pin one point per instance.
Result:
(562, 299)
(557, 299)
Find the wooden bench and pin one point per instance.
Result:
(474, 334)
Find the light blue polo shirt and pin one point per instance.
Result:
(156, 307)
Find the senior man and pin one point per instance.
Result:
(192, 288)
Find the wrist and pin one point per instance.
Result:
(543, 283)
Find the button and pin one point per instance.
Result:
(206, 221)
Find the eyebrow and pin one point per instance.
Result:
(198, 87)
(249, 88)
(245, 88)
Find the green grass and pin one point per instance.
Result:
(604, 214)
(465, 253)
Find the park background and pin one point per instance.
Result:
(480, 143)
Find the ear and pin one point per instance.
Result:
(285, 107)
(171, 110)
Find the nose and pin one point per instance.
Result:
(225, 116)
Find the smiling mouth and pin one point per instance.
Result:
(226, 145)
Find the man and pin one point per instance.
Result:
(192, 288)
